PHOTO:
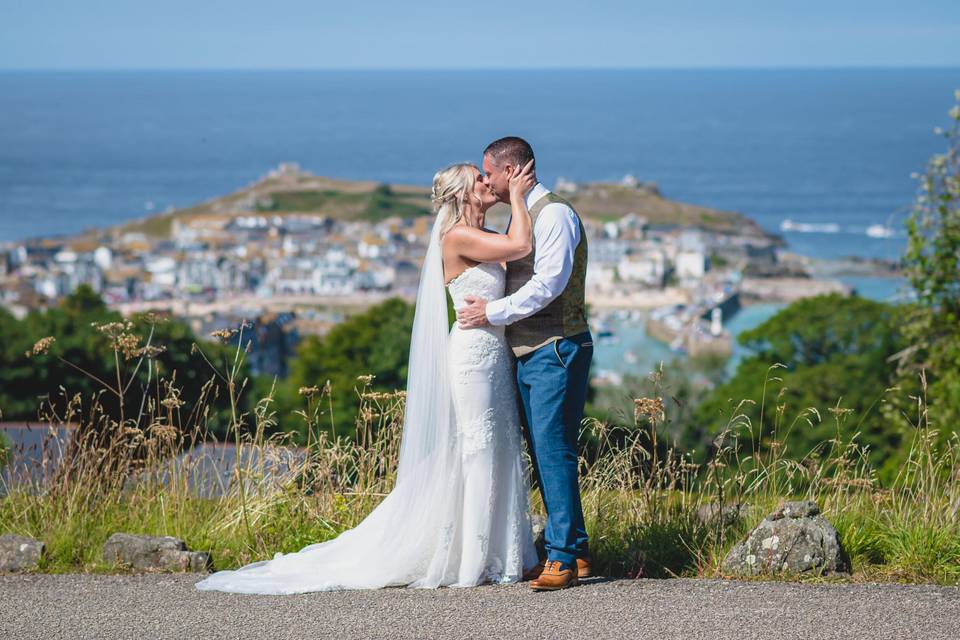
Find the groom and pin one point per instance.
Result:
(546, 326)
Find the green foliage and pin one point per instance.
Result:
(384, 203)
(664, 547)
(373, 206)
(81, 358)
(932, 264)
(862, 537)
(834, 352)
(5, 446)
(376, 342)
(917, 548)
(310, 200)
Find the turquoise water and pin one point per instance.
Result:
(877, 288)
(645, 353)
(630, 351)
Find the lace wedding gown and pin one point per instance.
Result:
(496, 537)
(458, 515)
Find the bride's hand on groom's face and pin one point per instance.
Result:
(522, 179)
(474, 315)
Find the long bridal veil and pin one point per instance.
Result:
(410, 538)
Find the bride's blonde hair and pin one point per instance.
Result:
(451, 187)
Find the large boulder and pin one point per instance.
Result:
(18, 553)
(154, 553)
(793, 539)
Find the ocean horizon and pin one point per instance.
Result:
(822, 156)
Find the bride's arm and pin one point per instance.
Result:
(481, 246)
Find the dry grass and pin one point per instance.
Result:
(641, 498)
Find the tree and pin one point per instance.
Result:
(376, 342)
(81, 360)
(932, 264)
(834, 351)
(25, 381)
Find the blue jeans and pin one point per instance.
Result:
(553, 389)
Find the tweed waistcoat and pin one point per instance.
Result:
(566, 314)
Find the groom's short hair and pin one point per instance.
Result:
(512, 150)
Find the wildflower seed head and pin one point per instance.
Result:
(151, 318)
(113, 329)
(164, 431)
(151, 351)
(128, 344)
(172, 400)
(41, 347)
(650, 408)
(172, 403)
(223, 335)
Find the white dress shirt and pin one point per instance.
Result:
(556, 235)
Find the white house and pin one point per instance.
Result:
(690, 265)
(648, 267)
(162, 270)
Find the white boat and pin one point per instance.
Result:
(879, 231)
(809, 227)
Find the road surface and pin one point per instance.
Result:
(143, 607)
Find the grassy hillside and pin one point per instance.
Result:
(611, 201)
(301, 193)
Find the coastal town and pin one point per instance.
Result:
(295, 253)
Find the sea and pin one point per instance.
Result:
(829, 152)
(822, 157)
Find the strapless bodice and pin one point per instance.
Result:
(485, 280)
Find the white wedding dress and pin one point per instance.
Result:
(458, 515)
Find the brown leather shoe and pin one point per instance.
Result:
(533, 573)
(554, 578)
(583, 570)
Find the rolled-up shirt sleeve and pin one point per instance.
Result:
(556, 234)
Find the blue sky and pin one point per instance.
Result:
(296, 34)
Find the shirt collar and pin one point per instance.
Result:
(536, 193)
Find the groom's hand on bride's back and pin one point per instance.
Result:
(473, 315)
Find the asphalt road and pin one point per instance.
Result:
(167, 606)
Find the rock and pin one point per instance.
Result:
(793, 539)
(19, 553)
(154, 553)
(730, 514)
(806, 509)
(539, 523)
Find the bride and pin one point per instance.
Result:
(457, 515)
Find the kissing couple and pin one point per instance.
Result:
(458, 514)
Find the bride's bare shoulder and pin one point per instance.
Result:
(461, 234)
